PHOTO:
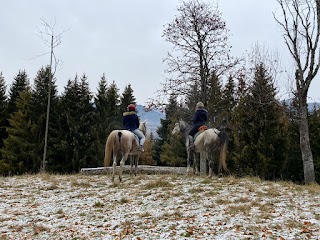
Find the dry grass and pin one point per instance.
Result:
(159, 183)
(48, 206)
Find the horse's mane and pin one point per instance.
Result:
(183, 124)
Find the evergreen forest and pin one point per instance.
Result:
(263, 130)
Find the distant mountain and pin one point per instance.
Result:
(152, 117)
(312, 106)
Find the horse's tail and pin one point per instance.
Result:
(119, 137)
(109, 148)
(223, 150)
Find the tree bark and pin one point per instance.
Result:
(301, 25)
(306, 153)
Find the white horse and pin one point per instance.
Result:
(205, 143)
(125, 142)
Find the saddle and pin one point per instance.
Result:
(201, 129)
(135, 136)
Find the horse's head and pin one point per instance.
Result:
(176, 128)
(143, 127)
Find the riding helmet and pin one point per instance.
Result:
(131, 107)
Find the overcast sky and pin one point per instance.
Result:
(121, 39)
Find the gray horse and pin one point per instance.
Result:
(205, 143)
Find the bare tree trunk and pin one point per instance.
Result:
(44, 160)
(52, 41)
(301, 25)
(306, 153)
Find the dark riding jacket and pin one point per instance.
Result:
(199, 118)
(130, 121)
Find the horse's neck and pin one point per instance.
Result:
(142, 128)
(186, 130)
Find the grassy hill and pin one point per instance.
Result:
(156, 207)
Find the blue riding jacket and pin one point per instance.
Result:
(200, 117)
(130, 121)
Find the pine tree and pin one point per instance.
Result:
(127, 98)
(77, 137)
(87, 136)
(164, 132)
(228, 103)
(18, 152)
(294, 165)
(66, 157)
(107, 115)
(3, 111)
(114, 116)
(190, 102)
(10, 159)
(172, 152)
(101, 114)
(214, 105)
(63, 139)
(19, 84)
(260, 129)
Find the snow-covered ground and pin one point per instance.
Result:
(156, 207)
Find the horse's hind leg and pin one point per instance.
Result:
(114, 166)
(210, 161)
(131, 164)
(188, 161)
(196, 160)
(123, 160)
(136, 164)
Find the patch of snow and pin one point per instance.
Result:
(155, 207)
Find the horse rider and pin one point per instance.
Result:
(131, 122)
(199, 119)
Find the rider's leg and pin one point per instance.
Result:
(192, 132)
(191, 143)
(141, 137)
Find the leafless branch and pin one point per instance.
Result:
(199, 37)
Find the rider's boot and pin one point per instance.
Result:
(141, 149)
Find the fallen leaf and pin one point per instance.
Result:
(305, 230)
(307, 223)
